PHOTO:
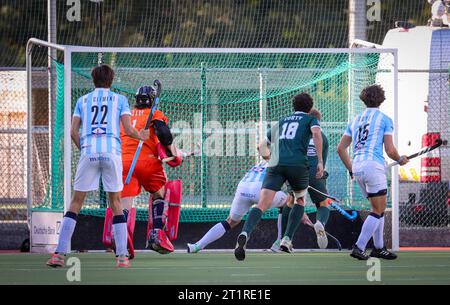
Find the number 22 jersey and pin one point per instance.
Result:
(100, 113)
(367, 131)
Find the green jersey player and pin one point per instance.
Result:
(320, 201)
(288, 140)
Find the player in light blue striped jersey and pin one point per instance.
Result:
(368, 132)
(99, 114)
(247, 194)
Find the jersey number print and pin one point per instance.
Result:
(289, 130)
(95, 110)
(362, 135)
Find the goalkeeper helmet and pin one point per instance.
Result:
(145, 96)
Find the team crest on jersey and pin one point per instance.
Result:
(258, 169)
(99, 131)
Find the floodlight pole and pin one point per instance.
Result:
(99, 17)
(357, 22)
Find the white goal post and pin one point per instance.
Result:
(69, 50)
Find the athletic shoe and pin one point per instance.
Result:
(276, 246)
(322, 239)
(159, 242)
(383, 253)
(286, 245)
(239, 251)
(56, 261)
(193, 248)
(122, 261)
(359, 254)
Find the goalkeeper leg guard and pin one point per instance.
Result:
(131, 222)
(108, 239)
(173, 196)
(107, 229)
(150, 219)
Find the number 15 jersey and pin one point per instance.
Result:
(100, 112)
(367, 131)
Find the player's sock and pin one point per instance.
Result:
(252, 220)
(65, 235)
(214, 234)
(120, 234)
(158, 210)
(284, 219)
(279, 223)
(294, 220)
(323, 213)
(378, 236)
(368, 229)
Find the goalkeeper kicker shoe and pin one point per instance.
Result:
(383, 253)
(239, 251)
(193, 248)
(159, 242)
(286, 245)
(359, 254)
(322, 239)
(56, 261)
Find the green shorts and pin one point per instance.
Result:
(319, 184)
(297, 176)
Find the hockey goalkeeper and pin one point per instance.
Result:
(148, 173)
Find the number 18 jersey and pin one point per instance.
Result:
(100, 113)
(290, 139)
(367, 131)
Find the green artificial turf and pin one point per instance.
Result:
(222, 268)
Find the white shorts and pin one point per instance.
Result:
(371, 177)
(93, 166)
(247, 194)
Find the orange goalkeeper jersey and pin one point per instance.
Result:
(138, 120)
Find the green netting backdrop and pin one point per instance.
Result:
(218, 101)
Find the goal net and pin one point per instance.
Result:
(219, 100)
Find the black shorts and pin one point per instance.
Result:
(297, 176)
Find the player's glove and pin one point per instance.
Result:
(166, 155)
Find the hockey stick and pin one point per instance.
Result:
(336, 205)
(157, 83)
(336, 241)
(338, 244)
(419, 153)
